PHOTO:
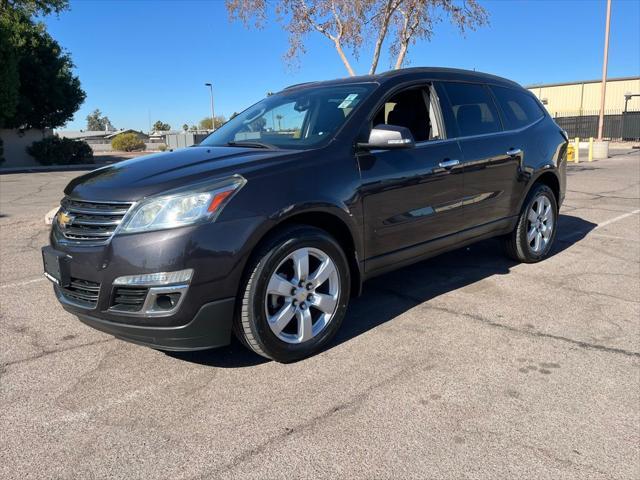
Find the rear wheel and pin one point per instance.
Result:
(296, 295)
(535, 232)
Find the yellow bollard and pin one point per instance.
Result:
(570, 152)
(576, 147)
(591, 149)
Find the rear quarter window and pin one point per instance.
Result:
(518, 108)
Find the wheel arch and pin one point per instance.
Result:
(551, 180)
(330, 221)
(548, 177)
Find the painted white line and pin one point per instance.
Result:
(20, 284)
(616, 219)
(600, 225)
(615, 237)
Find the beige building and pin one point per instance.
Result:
(583, 98)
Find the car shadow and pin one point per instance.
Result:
(388, 296)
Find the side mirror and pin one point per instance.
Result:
(387, 137)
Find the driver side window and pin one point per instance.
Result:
(413, 109)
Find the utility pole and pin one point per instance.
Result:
(213, 121)
(603, 88)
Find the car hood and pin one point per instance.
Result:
(141, 177)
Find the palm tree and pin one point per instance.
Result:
(279, 118)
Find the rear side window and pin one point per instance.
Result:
(473, 109)
(519, 108)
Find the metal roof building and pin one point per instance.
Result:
(577, 98)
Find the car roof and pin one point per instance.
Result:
(434, 73)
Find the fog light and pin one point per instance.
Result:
(155, 279)
(167, 301)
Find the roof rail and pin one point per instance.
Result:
(298, 85)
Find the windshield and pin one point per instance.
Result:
(298, 120)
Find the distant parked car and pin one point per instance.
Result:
(272, 223)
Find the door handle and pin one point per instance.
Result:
(449, 164)
(514, 152)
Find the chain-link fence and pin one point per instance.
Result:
(618, 125)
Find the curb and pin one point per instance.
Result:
(53, 168)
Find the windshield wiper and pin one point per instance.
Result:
(250, 144)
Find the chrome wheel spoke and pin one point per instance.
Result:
(282, 318)
(323, 302)
(537, 241)
(323, 273)
(279, 286)
(531, 234)
(305, 325)
(533, 216)
(301, 264)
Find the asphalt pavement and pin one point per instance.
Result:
(467, 365)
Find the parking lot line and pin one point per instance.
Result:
(618, 218)
(606, 223)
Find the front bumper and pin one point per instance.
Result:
(209, 328)
(216, 252)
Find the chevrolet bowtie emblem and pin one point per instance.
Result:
(64, 220)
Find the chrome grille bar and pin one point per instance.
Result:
(87, 222)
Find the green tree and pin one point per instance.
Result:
(48, 93)
(98, 122)
(9, 78)
(161, 127)
(34, 7)
(205, 123)
(185, 127)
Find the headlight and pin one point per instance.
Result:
(181, 208)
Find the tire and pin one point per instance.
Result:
(519, 244)
(261, 323)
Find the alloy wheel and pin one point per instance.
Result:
(302, 295)
(540, 224)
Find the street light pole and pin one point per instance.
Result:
(603, 88)
(213, 121)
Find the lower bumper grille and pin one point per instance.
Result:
(82, 292)
(129, 299)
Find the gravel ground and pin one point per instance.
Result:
(464, 366)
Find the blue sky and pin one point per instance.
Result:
(139, 58)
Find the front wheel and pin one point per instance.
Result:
(535, 232)
(296, 295)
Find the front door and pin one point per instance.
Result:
(411, 196)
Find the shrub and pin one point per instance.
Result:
(127, 142)
(162, 147)
(60, 151)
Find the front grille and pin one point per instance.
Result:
(129, 299)
(89, 222)
(82, 292)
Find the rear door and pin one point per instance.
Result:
(414, 195)
(491, 156)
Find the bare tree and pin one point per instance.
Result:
(337, 20)
(415, 20)
(349, 24)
